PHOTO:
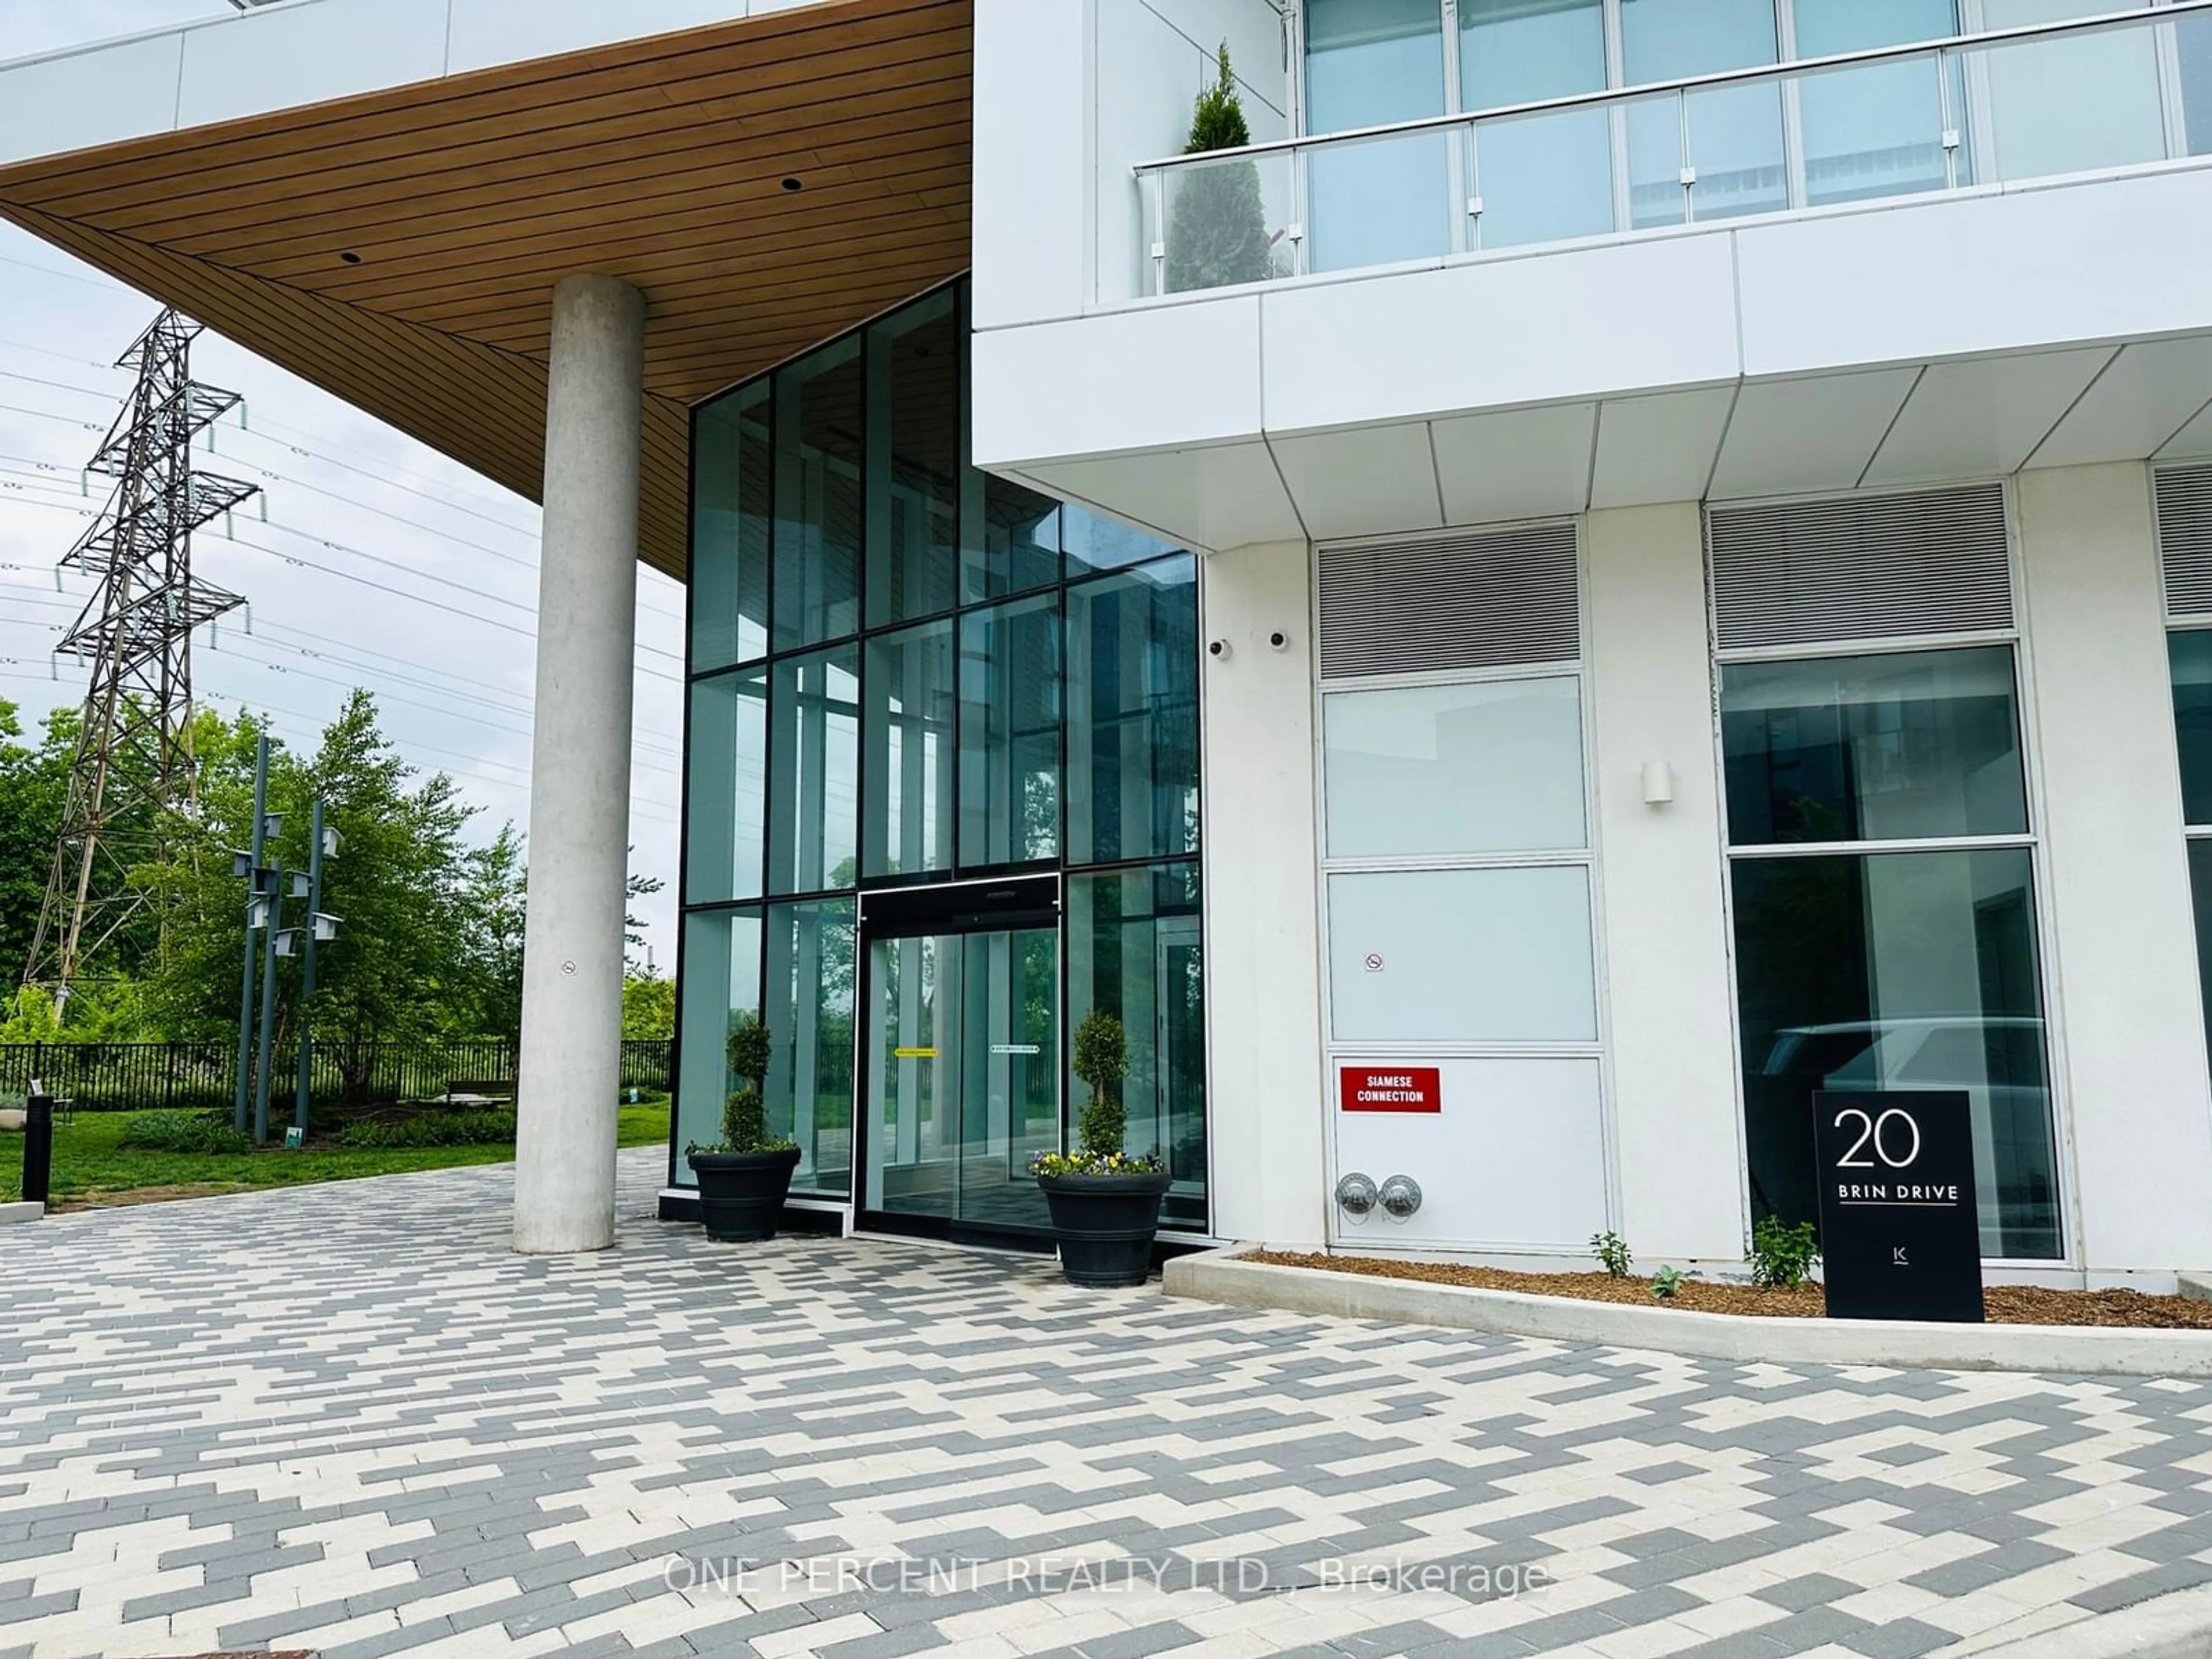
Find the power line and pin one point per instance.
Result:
(110, 286)
(307, 743)
(274, 474)
(640, 746)
(48, 469)
(258, 632)
(385, 587)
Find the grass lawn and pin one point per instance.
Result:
(90, 1168)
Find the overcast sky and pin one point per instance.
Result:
(370, 545)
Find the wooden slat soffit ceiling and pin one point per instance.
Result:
(399, 248)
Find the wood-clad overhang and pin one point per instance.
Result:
(399, 248)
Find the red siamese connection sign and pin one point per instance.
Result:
(1393, 1088)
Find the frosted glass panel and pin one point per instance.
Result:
(1461, 956)
(1735, 133)
(1549, 178)
(1455, 769)
(2070, 104)
(1367, 63)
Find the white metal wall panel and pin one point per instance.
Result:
(1861, 567)
(2184, 539)
(1476, 599)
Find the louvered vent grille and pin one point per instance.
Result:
(2184, 539)
(1878, 567)
(1474, 600)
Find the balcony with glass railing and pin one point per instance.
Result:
(1971, 113)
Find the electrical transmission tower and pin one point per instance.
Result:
(133, 772)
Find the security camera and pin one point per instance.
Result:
(1279, 640)
(1218, 649)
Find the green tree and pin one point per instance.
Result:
(420, 953)
(1217, 220)
(33, 783)
(648, 1010)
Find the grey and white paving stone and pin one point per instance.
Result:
(346, 1418)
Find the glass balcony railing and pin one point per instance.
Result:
(2115, 90)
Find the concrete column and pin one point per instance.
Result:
(2131, 1049)
(564, 1175)
(1677, 1126)
(1262, 913)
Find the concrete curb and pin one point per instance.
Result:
(14, 1213)
(2175, 1626)
(1221, 1276)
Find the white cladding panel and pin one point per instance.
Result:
(1514, 1161)
(309, 54)
(76, 100)
(487, 32)
(301, 52)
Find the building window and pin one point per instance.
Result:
(1882, 873)
(908, 748)
(721, 984)
(726, 750)
(1134, 952)
(1132, 714)
(904, 672)
(808, 1008)
(814, 707)
(2190, 654)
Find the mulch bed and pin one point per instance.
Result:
(2005, 1304)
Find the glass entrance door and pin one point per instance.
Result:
(963, 1061)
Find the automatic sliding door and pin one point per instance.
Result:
(1010, 1096)
(914, 1076)
(962, 1056)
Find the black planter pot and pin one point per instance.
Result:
(741, 1193)
(1105, 1223)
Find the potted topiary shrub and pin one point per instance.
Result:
(1105, 1204)
(744, 1181)
(1217, 220)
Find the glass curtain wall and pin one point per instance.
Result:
(1886, 936)
(904, 672)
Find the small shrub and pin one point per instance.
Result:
(1612, 1253)
(1102, 1059)
(1782, 1258)
(485, 1129)
(181, 1132)
(748, 1051)
(1218, 217)
(744, 1110)
(1665, 1282)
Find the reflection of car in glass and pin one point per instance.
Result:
(1997, 1061)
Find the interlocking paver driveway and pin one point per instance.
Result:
(347, 1418)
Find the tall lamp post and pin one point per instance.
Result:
(320, 930)
(260, 903)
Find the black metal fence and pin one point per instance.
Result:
(143, 1076)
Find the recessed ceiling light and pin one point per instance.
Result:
(793, 183)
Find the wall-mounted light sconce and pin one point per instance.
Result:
(1658, 783)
